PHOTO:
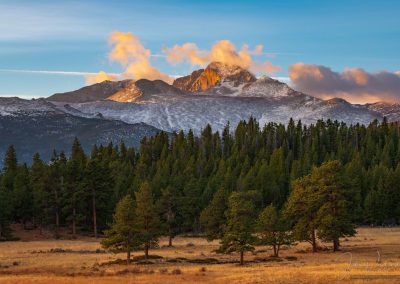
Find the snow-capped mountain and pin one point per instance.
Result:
(128, 110)
(126, 91)
(215, 75)
(99, 91)
(215, 95)
(39, 126)
(390, 110)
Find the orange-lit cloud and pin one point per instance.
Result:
(223, 51)
(99, 77)
(128, 51)
(355, 85)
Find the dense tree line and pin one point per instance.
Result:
(277, 182)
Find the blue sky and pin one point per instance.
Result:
(71, 36)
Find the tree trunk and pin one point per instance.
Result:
(170, 241)
(275, 250)
(128, 257)
(146, 250)
(314, 241)
(57, 215)
(336, 244)
(57, 224)
(241, 258)
(94, 213)
(74, 221)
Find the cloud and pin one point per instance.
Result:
(128, 51)
(100, 77)
(355, 84)
(53, 72)
(223, 51)
(91, 77)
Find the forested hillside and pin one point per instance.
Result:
(196, 184)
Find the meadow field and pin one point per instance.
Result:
(372, 256)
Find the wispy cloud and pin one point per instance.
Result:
(54, 72)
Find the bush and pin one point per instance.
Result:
(176, 271)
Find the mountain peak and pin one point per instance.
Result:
(215, 73)
(143, 87)
(96, 92)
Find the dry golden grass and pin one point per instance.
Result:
(356, 263)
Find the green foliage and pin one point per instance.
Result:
(191, 177)
(213, 217)
(333, 215)
(273, 230)
(241, 215)
(168, 206)
(319, 202)
(22, 196)
(122, 237)
(5, 214)
(147, 223)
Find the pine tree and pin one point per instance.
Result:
(73, 194)
(55, 187)
(333, 216)
(22, 196)
(5, 214)
(301, 208)
(10, 168)
(10, 160)
(213, 218)
(168, 206)
(273, 230)
(238, 232)
(122, 237)
(38, 184)
(98, 184)
(318, 203)
(147, 221)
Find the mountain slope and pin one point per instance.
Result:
(216, 95)
(38, 126)
(96, 92)
(184, 112)
(142, 89)
(390, 110)
(121, 91)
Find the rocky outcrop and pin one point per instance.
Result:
(215, 73)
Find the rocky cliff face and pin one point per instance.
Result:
(215, 73)
(127, 94)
